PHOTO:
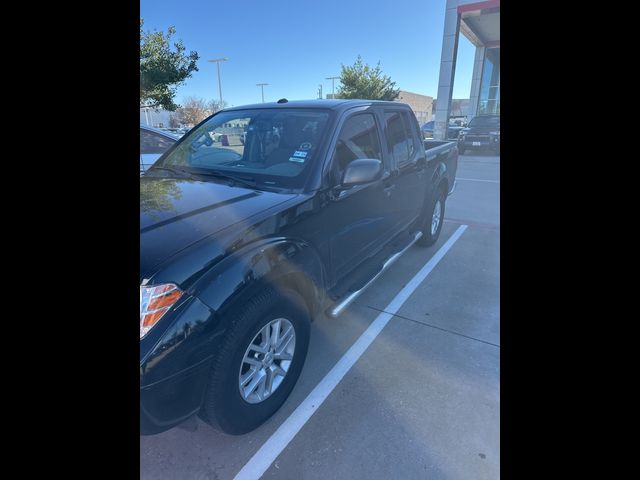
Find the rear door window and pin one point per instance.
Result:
(413, 132)
(151, 142)
(399, 138)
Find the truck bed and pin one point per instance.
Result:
(435, 147)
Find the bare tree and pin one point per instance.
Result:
(216, 105)
(174, 120)
(193, 111)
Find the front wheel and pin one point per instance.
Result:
(259, 363)
(432, 220)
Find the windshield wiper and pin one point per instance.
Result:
(250, 182)
(247, 181)
(172, 170)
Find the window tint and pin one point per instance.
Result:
(358, 139)
(398, 137)
(273, 146)
(412, 133)
(151, 142)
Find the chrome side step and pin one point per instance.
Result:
(339, 307)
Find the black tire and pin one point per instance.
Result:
(428, 238)
(223, 407)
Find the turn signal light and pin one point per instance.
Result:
(155, 301)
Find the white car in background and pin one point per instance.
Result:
(153, 143)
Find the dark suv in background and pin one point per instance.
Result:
(482, 132)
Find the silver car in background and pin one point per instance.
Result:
(153, 143)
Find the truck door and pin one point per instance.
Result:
(358, 220)
(409, 160)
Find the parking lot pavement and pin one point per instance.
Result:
(421, 402)
(476, 199)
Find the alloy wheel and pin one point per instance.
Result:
(267, 360)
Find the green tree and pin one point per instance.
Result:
(163, 66)
(362, 81)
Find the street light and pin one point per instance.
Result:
(333, 86)
(261, 85)
(217, 62)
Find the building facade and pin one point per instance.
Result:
(480, 23)
(422, 105)
(459, 107)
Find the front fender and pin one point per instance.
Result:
(265, 262)
(176, 361)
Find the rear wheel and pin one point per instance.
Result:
(259, 363)
(432, 219)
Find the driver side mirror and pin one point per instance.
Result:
(361, 171)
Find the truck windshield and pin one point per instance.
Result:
(273, 147)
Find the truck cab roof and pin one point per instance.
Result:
(331, 104)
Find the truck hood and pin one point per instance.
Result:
(479, 130)
(176, 213)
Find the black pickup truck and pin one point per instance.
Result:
(244, 242)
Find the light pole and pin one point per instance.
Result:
(333, 86)
(217, 62)
(261, 85)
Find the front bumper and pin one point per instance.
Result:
(175, 365)
(492, 142)
(168, 402)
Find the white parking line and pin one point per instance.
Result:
(478, 180)
(266, 455)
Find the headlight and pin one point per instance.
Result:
(155, 301)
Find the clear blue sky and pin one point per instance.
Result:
(293, 45)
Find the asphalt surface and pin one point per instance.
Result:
(423, 400)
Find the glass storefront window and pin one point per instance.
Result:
(489, 101)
